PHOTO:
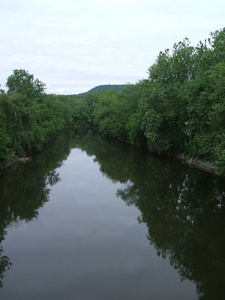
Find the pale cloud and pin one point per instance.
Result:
(73, 46)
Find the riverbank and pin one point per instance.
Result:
(194, 162)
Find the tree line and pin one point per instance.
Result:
(179, 108)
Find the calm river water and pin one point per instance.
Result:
(90, 218)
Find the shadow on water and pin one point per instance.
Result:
(24, 188)
(183, 208)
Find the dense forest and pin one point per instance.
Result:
(179, 108)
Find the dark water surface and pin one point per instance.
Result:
(91, 218)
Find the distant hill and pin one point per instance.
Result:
(100, 88)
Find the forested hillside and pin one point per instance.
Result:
(179, 108)
(100, 88)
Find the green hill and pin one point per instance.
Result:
(100, 88)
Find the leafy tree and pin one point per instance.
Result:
(29, 117)
(183, 101)
(163, 106)
(205, 98)
(107, 113)
(4, 136)
(24, 83)
(83, 109)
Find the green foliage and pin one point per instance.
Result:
(134, 130)
(28, 117)
(107, 114)
(182, 106)
(83, 109)
(163, 105)
(4, 137)
(113, 113)
(101, 88)
(179, 108)
(24, 83)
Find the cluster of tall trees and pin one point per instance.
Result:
(180, 107)
(28, 116)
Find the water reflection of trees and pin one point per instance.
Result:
(4, 260)
(184, 209)
(185, 223)
(25, 188)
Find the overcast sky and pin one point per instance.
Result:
(75, 45)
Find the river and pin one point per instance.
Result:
(92, 218)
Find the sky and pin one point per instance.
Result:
(75, 45)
